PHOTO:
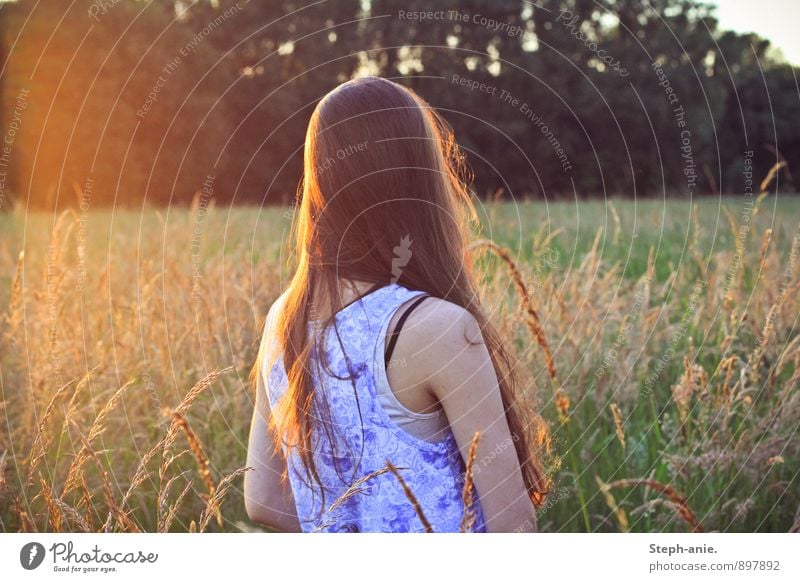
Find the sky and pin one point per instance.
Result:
(775, 20)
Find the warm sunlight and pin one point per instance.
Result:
(381, 266)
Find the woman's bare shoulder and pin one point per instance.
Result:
(439, 324)
(275, 309)
(268, 343)
(438, 335)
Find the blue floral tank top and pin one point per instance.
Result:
(363, 438)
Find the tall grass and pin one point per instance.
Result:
(665, 333)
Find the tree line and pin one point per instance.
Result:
(143, 102)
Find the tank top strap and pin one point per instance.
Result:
(395, 333)
(385, 303)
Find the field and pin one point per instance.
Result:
(126, 338)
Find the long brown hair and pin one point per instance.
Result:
(382, 170)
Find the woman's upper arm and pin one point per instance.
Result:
(268, 500)
(451, 360)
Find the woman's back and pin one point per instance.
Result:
(358, 436)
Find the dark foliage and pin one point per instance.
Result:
(133, 102)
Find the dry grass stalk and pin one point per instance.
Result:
(166, 522)
(214, 502)
(785, 358)
(617, 222)
(684, 511)
(619, 426)
(86, 499)
(773, 171)
(354, 489)
(172, 432)
(724, 391)
(546, 241)
(619, 512)
(163, 495)
(26, 524)
(766, 333)
(775, 460)
(114, 512)
(3, 481)
(562, 405)
(4, 443)
(693, 380)
(197, 450)
(73, 405)
(200, 387)
(141, 473)
(14, 316)
(532, 320)
(195, 391)
(202, 460)
(74, 515)
(97, 428)
(122, 519)
(40, 441)
(765, 240)
(55, 519)
(653, 504)
(16, 284)
(468, 494)
(651, 263)
(410, 496)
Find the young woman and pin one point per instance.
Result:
(379, 351)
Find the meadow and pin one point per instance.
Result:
(658, 338)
